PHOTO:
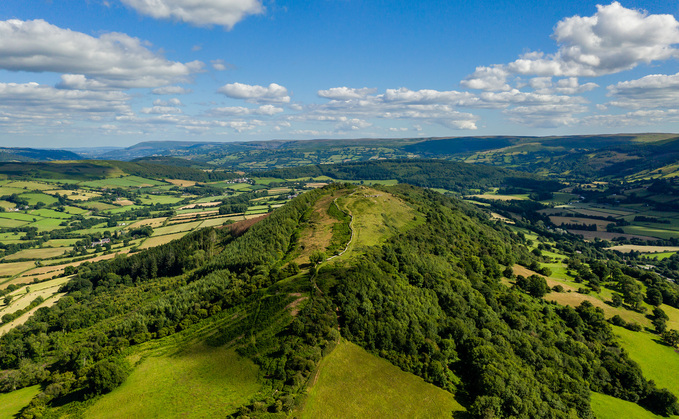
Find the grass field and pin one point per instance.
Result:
(12, 403)
(158, 240)
(377, 215)
(122, 182)
(354, 383)
(200, 382)
(626, 248)
(608, 407)
(658, 361)
(14, 268)
(176, 228)
(43, 253)
(34, 198)
(648, 231)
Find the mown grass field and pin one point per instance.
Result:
(12, 403)
(199, 382)
(158, 240)
(353, 383)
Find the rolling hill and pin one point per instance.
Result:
(263, 322)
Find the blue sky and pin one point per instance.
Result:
(79, 73)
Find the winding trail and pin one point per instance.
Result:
(351, 238)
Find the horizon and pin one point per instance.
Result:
(123, 72)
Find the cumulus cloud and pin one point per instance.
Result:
(545, 116)
(112, 60)
(652, 91)
(634, 118)
(274, 93)
(348, 107)
(566, 86)
(346, 93)
(487, 78)
(612, 40)
(35, 102)
(171, 90)
(224, 13)
(268, 110)
(221, 65)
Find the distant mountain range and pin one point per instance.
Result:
(615, 155)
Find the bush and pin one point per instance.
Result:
(106, 375)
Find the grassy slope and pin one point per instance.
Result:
(354, 383)
(200, 382)
(607, 407)
(659, 362)
(12, 403)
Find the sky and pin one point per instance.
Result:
(98, 73)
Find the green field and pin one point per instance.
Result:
(12, 403)
(40, 253)
(122, 182)
(353, 383)
(34, 198)
(377, 216)
(200, 382)
(658, 361)
(608, 407)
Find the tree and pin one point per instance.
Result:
(671, 337)
(106, 375)
(654, 297)
(317, 257)
(616, 300)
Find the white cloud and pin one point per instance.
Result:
(268, 110)
(161, 110)
(274, 93)
(351, 124)
(224, 13)
(35, 103)
(221, 65)
(431, 106)
(113, 59)
(171, 90)
(487, 78)
(545, 116)
(170, 102)
(634, 118)
(346, 93)
(652, 91)
(614, 39)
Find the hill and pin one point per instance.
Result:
(102, 169)
(452, 176)
(572, 157)
(407, 274)
(8, 154)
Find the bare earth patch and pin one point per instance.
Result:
(294, 306)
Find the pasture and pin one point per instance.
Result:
(609, 407)
(12, 403)
(198, 382)
(658, 361)
(351, 382)
(38, 253)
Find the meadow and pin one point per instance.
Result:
(197, 382)
(351, 382)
